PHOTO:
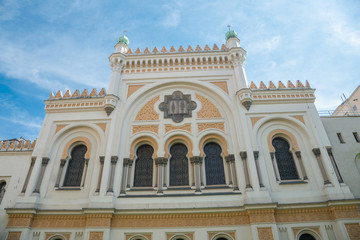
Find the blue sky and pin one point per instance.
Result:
(58, 45)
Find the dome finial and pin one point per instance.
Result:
(230, 34)
(123, 39)
(228, 27)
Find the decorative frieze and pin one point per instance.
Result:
(204, 126)
(149, 128)
(208, 109)
(147, 112)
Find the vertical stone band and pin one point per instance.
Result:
(123, 178)
(44, 163)
(256, 157)
(85, 172)
(101, 158)
(333, 162)
(272, 155)
(298, 155)
(196, 161)
(317, 154)
(33, 160)
(231, 160)
(111, 180)
(243, 156)
(130, 163)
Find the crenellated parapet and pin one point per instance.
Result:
(281, 85)
(181, 49)
(17, 145)
(76, 100)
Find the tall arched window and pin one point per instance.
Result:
(75, 167)
(2, 190)
(306, 236)
(144, 166)
(179, 173)
(284, 159)
(214, 166)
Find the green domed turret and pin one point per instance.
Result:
(230, 34)
(123, 39)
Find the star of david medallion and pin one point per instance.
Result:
(177, 106)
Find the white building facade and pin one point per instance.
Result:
(180, 146)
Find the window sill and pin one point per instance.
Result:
(68, 188)
(293, 182)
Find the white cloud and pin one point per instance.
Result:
(172, 17)
(267, 45)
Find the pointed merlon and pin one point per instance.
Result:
(172, 49)
(207, 48)
(138, 51)
(290, 84)
(51, 95)
(189, 49)
(198, 48)
(4, 147)
(215, 47)
(130, 51)
(12, 146)
(76, 93)
(26, 145)
(223, 47)
(299, 84)
(84, 93)
(164, 50)
(271, 85)
(155, 50)
(281, 85)
(146, 50)
(67, 94)
(58, 94)
(102, 92)
(307, 85)
(32, 145)
(262, 85)
(19, 145)
(252, 85)
(181, 49)
(93, 93)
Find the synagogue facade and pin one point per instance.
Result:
(179, 147)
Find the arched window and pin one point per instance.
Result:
(214, 166)
(144, 166)
(179, 173)
(306, 236)
(221, 238)
(2, 190)
(75, 167)
(284, 159)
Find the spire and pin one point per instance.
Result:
(122, 45)
(231, 38)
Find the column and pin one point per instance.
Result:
(123, 176)
(231, 159)
(227, 160)
(61, 168)
(130, 163)
(165, 161)
(337, 172)
(192, 173)
(33, 159)
(85, 171)
(317, 154)
(256, 157)
(272, 155)
(44, 162)
(196, 161)
(112, 170)
(101, 158)
(298, 155)
(243, 156)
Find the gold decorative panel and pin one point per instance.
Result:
(265, 233)
(222, 85)
(353, 230)
(147, 112)
(169, 127)
(13, 236)
(204, 126)
(141, 128)
(132, 89)
(96, 236)
(208, 110)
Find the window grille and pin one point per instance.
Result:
(284, 159)
(214, 166)
(144, 166)
(179, 173)
(75, 167)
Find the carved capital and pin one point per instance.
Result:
(243, 155)
(298, 154)
(161, 161)
(196, 160)
(102, 159)
(33, 160)
(329, 150)
(45, 160)
(272, 154)
(109, 109)
(230, 158)
(316, 151)
(87, 161)
(256, 155)
(126, 161)
(247, 104)
(62, 162)
(114, 159)
(116, 66)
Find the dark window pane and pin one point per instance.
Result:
(2, 190)
(306, 236)
(75, 167)
(179, 174)
(214, 166)
(284, 159)
(144, 166)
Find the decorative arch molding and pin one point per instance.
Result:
(284, 134)
(74, 142)
(143, 140)
(213, 137)
(55, 237)
(178, 139)
(138, 236)
(222, 235)
(307, 231)
(182, 236)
